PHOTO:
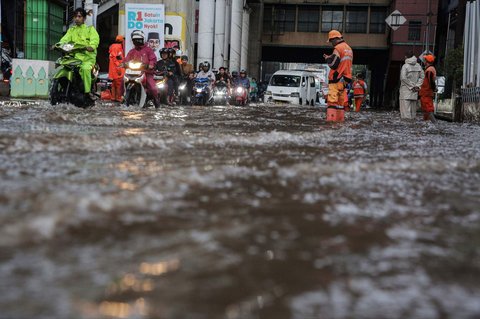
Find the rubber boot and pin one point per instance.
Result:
(340, 114)
(331, 113)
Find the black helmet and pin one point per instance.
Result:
(184, 58)
(163, 51)
(171, 52)
(234, 73)
(206, 64)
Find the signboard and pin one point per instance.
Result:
(149, 18)
(174, 31)
(395, 20)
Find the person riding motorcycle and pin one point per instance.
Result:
(185, 67)
(222, 76)
(167, 67)
(205, 72)
(243, 80)
(146, 56)
(81, 34)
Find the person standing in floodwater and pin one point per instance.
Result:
(411, 78)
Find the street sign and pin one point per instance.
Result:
(395, 20)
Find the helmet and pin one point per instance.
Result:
(119, 38)
(429, 58)
(206, 64)
(138, 34)
(242, 71)
(184, 58)
(171, 52)
(333, 34)
(163, 51)
(234, 73)
(178, 53)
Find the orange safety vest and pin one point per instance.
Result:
(359, 88)
(341, 63)
(114, 72)
(430, 75)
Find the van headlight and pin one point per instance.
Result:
(295, 94)
(268, 93)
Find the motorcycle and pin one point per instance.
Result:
(201, 91)
(135, 81)
(67, 85)
(184, 93)
(240, 95)
(162, 87)
(220, 93)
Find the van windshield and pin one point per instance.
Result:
(285, 80)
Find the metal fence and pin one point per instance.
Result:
(471, 58)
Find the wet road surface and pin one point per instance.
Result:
(236, 213)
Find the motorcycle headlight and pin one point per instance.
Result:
(161, 85)
(134, 65)
(199, 90)
(239, 90)
(182, 87)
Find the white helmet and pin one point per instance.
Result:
(178, 53)
(138, 34)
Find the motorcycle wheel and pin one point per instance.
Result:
(58, 91)
(131, 95)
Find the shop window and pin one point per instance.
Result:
(308, 18)
(332, 18)
(356, 19)
(414, 30)
(377, 19)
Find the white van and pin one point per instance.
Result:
(291, 86)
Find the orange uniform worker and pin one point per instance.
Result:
(340, 63)
(114, 71)
(428, 88)
(359, 91)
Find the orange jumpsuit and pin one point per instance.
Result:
(359, 91)
(115, 72)
(340, 63)
(427, 91)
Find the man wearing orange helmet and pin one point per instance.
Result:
(114, 71)
(340, 63)
(428, 88)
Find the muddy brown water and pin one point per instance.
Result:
(237, 213)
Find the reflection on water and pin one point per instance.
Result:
(227, 212)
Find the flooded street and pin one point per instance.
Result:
(261, 212)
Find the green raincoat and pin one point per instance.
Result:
(88, 36)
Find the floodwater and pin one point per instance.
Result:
(258, 212)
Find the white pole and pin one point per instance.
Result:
(219, 51)
(226, 42)
(466, 40)
(245, 31)
(478, 44)
(236, 35)
(472, 42)
(205, 31)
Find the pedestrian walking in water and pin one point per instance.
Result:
(359, 91)
(411, 79)
(115, 72)
(340, 63)
(428, 89)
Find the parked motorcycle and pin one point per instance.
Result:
(220, 93)
(67, 85)
(135, 81)
(201, 91)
